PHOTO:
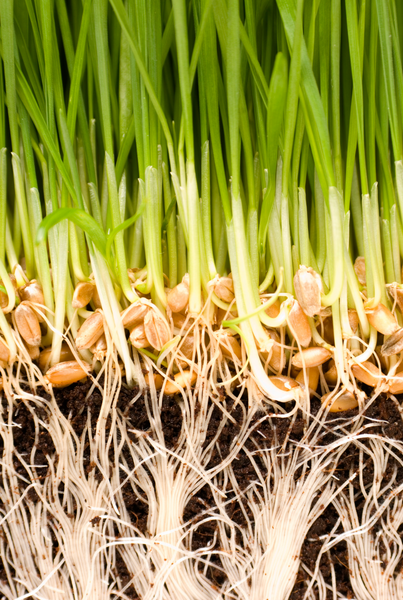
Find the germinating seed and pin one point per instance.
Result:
(156, 378)
(275, 356)
(66, 373)
(32, 292)
(156, 330)
(229, 345)
(340, 402)
(396, 293)
(90, 331)
(311, 376)
(331, 375)
(83, 294)
(138, 337)
(4, 352)
(298, 322)
(396, 384)
(178, 297)
(182, 380)
(28, 324)
(134, 314)
(367, 373)
(44, 357)
(284, 383)
(308, 289)
(224, 289)
(382, 319)
(311, 357)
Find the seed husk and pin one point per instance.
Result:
(178, 297)
(284, 383)
(346, 401)
(396, 384)
(367, 373)
(44, 357)
(134, 314)
(299, 323)
(4, 352)
(28, 324)
(353, 319)
(312, 376)
(156, 377)
(382, 319)
(99, 349)
(156, 330)
(83, 294)
(308, 288)
(311, 357)
(224, 289)
(184, 379)
(227, 341)
(359, 268)
(394, 344)
(90, 331)
(66, 373)
(138, 336)
(396, 293)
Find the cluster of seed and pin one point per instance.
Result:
(299, 363)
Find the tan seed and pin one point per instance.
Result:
(178, 297)
(276, 360)
(331, 375)
(359, 268)
(308, 289)
(394, 344)
(28, 324)
(134, 314)
(32, 292)
(184, 379)
(138, 336)
(83, 294)
(367, 373)
(33, 351)
(312, 376)
(156, 377)
(382, 319)
(326, 331)
(156, 330)
(311, 357)
(187, 345)
(90, 331)
(396, 384)
(273, 310)
(299, 324)
(229, 343)
(284, 383)
(224, 289)
(44, 357)
(100, 348)
(66, 373)
(4, 352)
(343, 402)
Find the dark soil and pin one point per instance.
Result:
(75, 406)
